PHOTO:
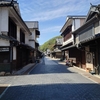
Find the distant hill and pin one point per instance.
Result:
(49, 44)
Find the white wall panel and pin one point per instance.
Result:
(4, 42)
(14, 53)
(18, 33)
(4, 19)
(32, 43)
(77, 23)
(73, 25)
(0, 19)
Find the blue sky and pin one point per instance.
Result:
(51, 14)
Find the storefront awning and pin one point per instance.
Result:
(91, 38)
(26, 46)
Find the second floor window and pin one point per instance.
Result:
(22, 36)
(12, 29)
(68, 36)
(67, 33)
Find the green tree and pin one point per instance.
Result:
(49, 44)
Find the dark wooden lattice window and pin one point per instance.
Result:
(12, 29)
(68, 36)
(22, 36)
(68, 33)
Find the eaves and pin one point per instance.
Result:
(67, 23)
(97, 36)
(68, 47)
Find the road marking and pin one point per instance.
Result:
(8, 85)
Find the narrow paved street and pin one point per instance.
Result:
(50, 80)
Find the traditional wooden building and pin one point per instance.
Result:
(87, 39)
(15, 46)
(69, 49)
(57, 53)
(34, 29)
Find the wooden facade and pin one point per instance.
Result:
(57, 53)
(69, 47)
(87, 38)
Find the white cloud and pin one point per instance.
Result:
(42, 10)
(51, 29)
(46, 10)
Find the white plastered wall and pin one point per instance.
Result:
(73, 25)
(32, 37)
(33, 34)
(32, 44)
(18, 33)
(4, 25)
(14, 53)
(14, 48)
(4, 42)
(4, 20)
(27, 38)
(77, 24)
(77, 39)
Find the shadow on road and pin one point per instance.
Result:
(53, 92)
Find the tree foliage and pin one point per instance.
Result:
(49, 44)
